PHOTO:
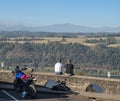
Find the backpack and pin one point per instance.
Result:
(60, 87)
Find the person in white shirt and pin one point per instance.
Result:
(58, 67)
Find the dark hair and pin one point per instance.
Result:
(17, 66)
(69, 61)
(59, 60)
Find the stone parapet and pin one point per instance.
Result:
(76, 83)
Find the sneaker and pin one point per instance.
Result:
(24, 94)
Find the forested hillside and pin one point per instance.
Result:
(45, 55)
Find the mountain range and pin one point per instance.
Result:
(67, 27)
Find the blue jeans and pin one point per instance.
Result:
(58, 73)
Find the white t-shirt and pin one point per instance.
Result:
(58, 67)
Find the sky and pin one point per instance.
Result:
(92, 13)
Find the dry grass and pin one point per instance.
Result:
(113, 45)
(45, 40)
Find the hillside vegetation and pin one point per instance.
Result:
(43, 52)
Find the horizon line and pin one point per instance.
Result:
(58, 24)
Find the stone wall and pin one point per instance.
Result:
(76, 83)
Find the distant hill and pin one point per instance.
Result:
(58, 28)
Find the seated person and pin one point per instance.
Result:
(58, 67)
(16, 70)
(24, 77)
(27, 70)
(69, 68)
